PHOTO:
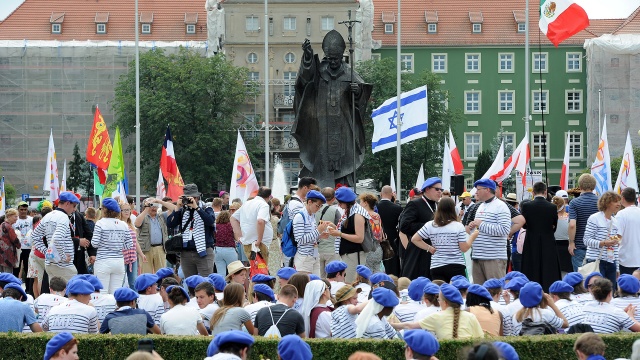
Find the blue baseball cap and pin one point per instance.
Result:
(516, 284)
(164, 273)
(430, 182)
(488, 183)
(345, 195)
(17, 287)
(184, 292)
(416, 288)
(507, 351)
(451, 293)
(217, 281)
(194, 280)
(531, 294)
(628, 283)
(111, 204)
(97, 284)
(363, 271)
(316, 195)
(385, 297)
(422, 342)
(573, 278)
(68, 196)
(292, 347)
(588, 278)
(335, 266)
(379, 277)
(80, 287)
(264, 289)
(286, 272)
(431, 289)
(492, 284)
(560, 287)
(144, 281)
(261, 278)
(125, 294)
(460, 282)
(56, 343)
(480, 291)
(9, 278)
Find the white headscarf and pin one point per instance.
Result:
(362, 322)
(312, 294)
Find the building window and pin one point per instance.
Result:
(146, 28)
(432, 28)
(388, 28)
(191, 29)
(101, 28)
(406, 63)
(505, 63)
(308, 26)
(289, 89)
(254, 75)
(252, 58)
(477, 28)
(540, 148)
(574, 101)
(575, 145)
(539, 62)
(327, 23)
(472, 145)
(574, 62)
(289, 23)
(56, 28)
(439, 63)
(290, 58)
(540, 102)
(522, 27)
(472, 63)
(251, 23)
(506, 101)
(472, 102)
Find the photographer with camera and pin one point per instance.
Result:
(152, 234)
(197, 226)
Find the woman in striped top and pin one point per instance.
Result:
(131, 256)
(343, 317)
(110, 237)
(599, 236)
(628, 287)
(307, 234)
(579, 293)
(604, 317)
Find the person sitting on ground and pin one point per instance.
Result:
(372, 322)
(506, 351)
(237, 273)
(104, 303)
(430, 294)
(602, 316)
(479, 304)
(149, 300)
(571, 309)
(230, 345)
(300, 282)
(628, 287)
(44, 302)
(407, 311)
(15, 313)
(207, 304)
(292, 347)
(514, 286)
(537, 307)
(77, 316)
(421, 345)
(347, 308)
(191, 282)
(127, 319)
(316, 313)
(170, 281)
(181, 319)
(63, 346)
(336, 272)
(579, 293)
(494, 287)
(231, 315)
(362, 282)
(288, 322)
(219, 284)
(589, 346)
(262, 297)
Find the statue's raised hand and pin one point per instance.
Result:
(306, 47)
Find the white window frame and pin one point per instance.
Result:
(405, 59)
(289, 89)
(466, 63)
(56, 28)
(533, 101)
(535, 144)
(101, 28)
(289, 23)
(512, 102)
(440, 61)
(522, 27)
(289, 58)
(249, 56)
(432, 28)
(191, 28)
(251, 23)
(573, 144)
(476, 28)
(324, 23)
(543, 55)
(146, 29)
(512, 142)
(567, 101)
(511, 61)
(468, 156)
(252, 77)
(579, 59)
(467, 102)
(388, 28)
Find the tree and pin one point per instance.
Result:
(79, 175)
(199, 98)
(382, 74)
(483, 163)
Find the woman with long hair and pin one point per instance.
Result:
(299, 281)
(562, 235)
(449, 240)
(604, 317)
(580, 292)
(9, 244)
(131, 256)
(181, 319)
(374, 258)
(537, 307)
(479, 304)
(430, 300)
(225, 243)
(231, 315)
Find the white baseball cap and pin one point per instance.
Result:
(563, 194)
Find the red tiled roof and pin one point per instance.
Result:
(102, 18)
(56, 18)
(430, 16)
(631, 24)
(191, 18)
(499, 23)
(475, 17)
(32, 20)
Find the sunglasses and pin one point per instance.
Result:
(437, 189)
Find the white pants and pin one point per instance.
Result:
(307, 264)
(111, 273)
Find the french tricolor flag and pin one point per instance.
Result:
(169, 168)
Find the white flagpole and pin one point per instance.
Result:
(266, 95)
(399, 117)
(392, 181)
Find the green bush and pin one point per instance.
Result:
(111, 347)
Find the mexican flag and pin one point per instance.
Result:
(561, 19)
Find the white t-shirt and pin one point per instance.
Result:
(72, 316)
(45, 302)
(628, 222)
(180, 320)
(207, 313)
(193, 303)
(407, 312)
(546, 315)
(152, 304)
(364, 294)
(605, 318)
(446, 240)
(252, 309)
(582, 298)
(248, 216)
(22, 228)
(104, 304)
(497, 306)
(572, 311)
(379, 329)
(428, 310)
(513, 307)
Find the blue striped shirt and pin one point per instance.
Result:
(305, 232)
(55, 227)
(446, 240)
(605, 318)
(491, 243)
(110, 237)
(579, 210)
(623, 302)
(343, 324)
(598, 229)
(72, 316)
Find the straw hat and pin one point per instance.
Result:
(346, 292)
(235, 267)
(511, 198)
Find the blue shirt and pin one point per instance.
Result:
(155, 231)
(581, 208)
(126, 320)
(15, 314)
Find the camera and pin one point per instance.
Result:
(186, 200)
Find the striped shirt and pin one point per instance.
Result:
(355, 209)
(407, 312)
(572, 311)
(598, 229)
(491, 243)
(110, 237)
(605, 318)
(546, 315)
(379, 329)
(152, 304)
(446, 240)
(72, 316)
(55, 227)
(305, 232)
(104, 304)
(579, 210)
(508, 328)
(343, 324)
(294, 205)
(582, 298)
(623, 302)
(45, 302)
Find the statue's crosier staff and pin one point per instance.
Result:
(350, 24)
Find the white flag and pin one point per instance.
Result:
(392, 183)
(448, 169)
(243, 179)
(627, 175)
(564, 173)
(601, 167)
(51, 173)
(420, 179)
(496, 167)
(161, 191)
(63, 182)
(413, 119)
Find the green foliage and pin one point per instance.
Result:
(483, 163)
(15, 346)
(199, 98)
(79, 175)
(382, 74)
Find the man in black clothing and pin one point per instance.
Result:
(286, 319)
(81, 234)
(389, 215)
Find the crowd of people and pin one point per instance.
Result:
(359, 266)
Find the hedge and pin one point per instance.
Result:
(111, 347)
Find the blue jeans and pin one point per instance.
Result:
(608, 270)
(131, 275)
(578, 258)
(241, 255)
(224, 257)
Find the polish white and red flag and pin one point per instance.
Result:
(517, 161)
(455, 155)
(564, 174)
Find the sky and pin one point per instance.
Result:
(596, 9)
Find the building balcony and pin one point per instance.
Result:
(283, 100)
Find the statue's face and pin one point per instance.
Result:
(335, 60)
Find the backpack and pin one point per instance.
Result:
(530, 327)
(288, 242)
(273, 332)
(369, 243)
(284, 220)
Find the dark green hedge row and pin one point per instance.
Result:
(112, 347)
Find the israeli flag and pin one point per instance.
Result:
(413, 117)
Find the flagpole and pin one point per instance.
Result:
(399, 117)
(266, 94)
(527, 84)
(137, 110)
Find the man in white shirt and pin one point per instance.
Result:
(45, 302)
(206, 299)
(628, 224)
(336, 271)
(75, 315)
(149, 299)
(252, 224)
(23, 226)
